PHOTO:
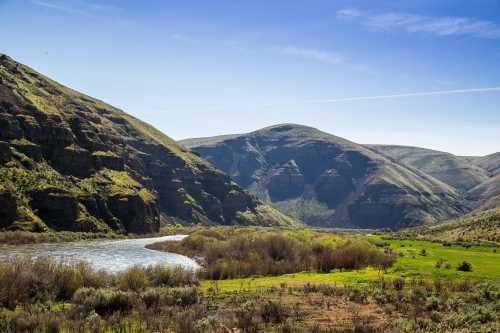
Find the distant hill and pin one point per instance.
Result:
(487, 194)
(478, 178)
(491, 163)
(325, 180)
(475, 227)
(456, 171)
(72, 162)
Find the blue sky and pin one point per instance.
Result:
(201, 68)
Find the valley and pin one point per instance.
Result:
(109, 225)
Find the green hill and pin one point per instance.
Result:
(71, 162)
(486, 195)
(455, 171)
(490, 163)
(476, 227)
(325, 180)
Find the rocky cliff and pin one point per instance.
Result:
(329, 181)
(71, 162)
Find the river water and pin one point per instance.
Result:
(110, 255)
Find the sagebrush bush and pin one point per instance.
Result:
(236, 255)
(166, 276)
(104, 301)
(134, 278)
(27, 281)
(274, 311)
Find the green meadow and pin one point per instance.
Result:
(412, 263)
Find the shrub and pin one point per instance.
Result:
(135, 278)
(235, 255)
(358, 296)
(274, 312)
(104, 301)
(439, 263)
(165, 276)
(432, 304)
(464, 266)
(398, 284)
(246, 317)
(184, 295)
(67, 280)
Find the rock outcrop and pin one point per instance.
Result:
(71, 162)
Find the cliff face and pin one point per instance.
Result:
(71, 162)
(325, 180)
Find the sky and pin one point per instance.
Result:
(422, 73)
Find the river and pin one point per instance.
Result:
(109, 255)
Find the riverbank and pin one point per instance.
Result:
(45, 297)
(19, 237)
(26, 237)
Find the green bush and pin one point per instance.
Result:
(104, 301)
(135, 279)
(165, 276)
(464, 266)
(236, 254)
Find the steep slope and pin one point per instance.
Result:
(71, 162)
(486, 195)
(328, 181)
(474, 227)
(450, 169)
(490, 163)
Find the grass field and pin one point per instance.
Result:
(412, 265)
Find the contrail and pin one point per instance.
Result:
(367, 98)
(415, 94)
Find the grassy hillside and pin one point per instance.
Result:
(71, 162)
(453, 170)
(491, 163)
(486, 195)
(325, 180)
(477, 227)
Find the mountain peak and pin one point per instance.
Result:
(287, 127)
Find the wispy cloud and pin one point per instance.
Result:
(348, 13)
(59, 6)
(369, 98)
(311, 54)
(75, 6)
(411, 23)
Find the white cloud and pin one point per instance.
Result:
(311, 54)
(348, 13)
(74, 6)
(438, 26)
